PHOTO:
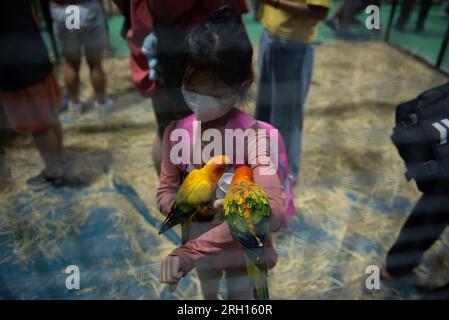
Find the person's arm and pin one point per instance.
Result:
(34, 13)
(123, 7)
(217, 240)
(170, 178)
(214, 241)
(182, 260)
(312, 11)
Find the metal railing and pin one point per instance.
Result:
(444, 43)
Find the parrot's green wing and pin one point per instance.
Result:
(254, 198)
(249, 195)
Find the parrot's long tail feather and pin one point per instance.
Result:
(169, 223)
(257, 271)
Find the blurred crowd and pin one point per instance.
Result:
(184, 57)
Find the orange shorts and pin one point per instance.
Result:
(33, 108)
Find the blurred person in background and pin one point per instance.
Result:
(29, 91)
(425, 151)
(91, 38)
(406, 10)
(286, 54)
(345, 14)
(163, 25)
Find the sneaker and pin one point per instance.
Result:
(75, 109)
(384, 275)
(42, 181)
(409, 278)
(103, 109)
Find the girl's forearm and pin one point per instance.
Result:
(315, 12)
(214, 241)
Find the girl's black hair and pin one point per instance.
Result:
(220, 46)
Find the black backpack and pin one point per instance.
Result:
(421, 136)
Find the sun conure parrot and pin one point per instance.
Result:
(196, 192)
(247, 211)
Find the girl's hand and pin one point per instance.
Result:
(215, 207)
(171, 272)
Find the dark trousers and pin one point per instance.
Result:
(406, 10)
(423, 227)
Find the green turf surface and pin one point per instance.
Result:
(118, 44)
(425, 45)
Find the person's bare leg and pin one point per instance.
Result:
(49, 146)
(57, 131)
(157, 154)
(338, 12)
(97, 76)
(71, 78)
(385, 275)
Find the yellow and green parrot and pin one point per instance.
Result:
(196, 192)
(247, 211)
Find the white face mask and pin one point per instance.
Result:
(207, 108)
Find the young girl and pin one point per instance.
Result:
(218, 74)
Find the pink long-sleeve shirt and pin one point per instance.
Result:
(213, 240)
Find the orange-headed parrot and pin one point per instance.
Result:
(247, 211)
(196, 192)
